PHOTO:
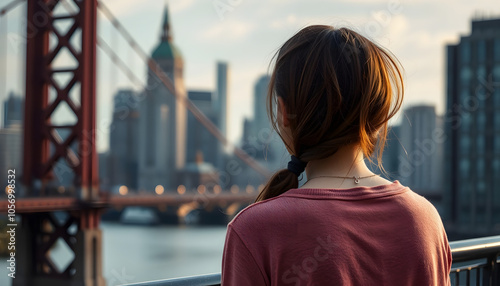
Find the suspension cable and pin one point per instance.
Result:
(119, 62)
(167, 82)
(10, 6)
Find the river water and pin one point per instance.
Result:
(142, 253)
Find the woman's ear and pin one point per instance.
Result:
(282, 112)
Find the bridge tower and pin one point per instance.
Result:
(75, 222)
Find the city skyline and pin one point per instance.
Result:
(144, 209)
(234, 39)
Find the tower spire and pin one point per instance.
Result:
(166, 34)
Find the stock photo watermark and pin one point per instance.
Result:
(12, 223)
(119, 277)
(299, 272)
(383, 18)
(221, 7)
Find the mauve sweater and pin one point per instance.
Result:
(384, 235)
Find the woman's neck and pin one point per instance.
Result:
(348, 161)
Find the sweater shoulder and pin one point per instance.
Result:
(420, 203)
(260, 212)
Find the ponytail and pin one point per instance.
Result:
(283, 180)
(279, 183)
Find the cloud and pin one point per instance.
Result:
(121, 8)
(398, 26)
(178, 6)
(369, 1)
(228, 30)
(291, 19)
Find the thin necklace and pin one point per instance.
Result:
(355, 178)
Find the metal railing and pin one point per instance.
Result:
(475, 262)
(199, 280)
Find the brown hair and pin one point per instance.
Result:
(339, 88)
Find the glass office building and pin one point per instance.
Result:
(472, 150)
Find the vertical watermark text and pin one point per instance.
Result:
(12, 224)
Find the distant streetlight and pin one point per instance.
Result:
(217, 189)
(250, 189)
(234, 189)
(159, 189)
(123, 190)
(181, 190)
(201, 189)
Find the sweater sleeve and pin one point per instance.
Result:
(238, 264)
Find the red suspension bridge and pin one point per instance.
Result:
(43, 145)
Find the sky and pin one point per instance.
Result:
(246, 34)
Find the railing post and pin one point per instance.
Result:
(495, 270)
(490, 273)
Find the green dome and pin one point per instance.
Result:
(166, 50)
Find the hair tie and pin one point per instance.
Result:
(296, 166)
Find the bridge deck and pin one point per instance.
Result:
(48, 204)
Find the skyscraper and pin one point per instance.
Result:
(260, 118)
(11, 146)
(124, 140)
(221, 103)
(420, 163)
(11, 136)
(12, 110)
(473, 129)
(391, 154)
(199, 139)
(163, 117)
(221, 95)
(275, 151)
(260, 140)
(259, 133)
